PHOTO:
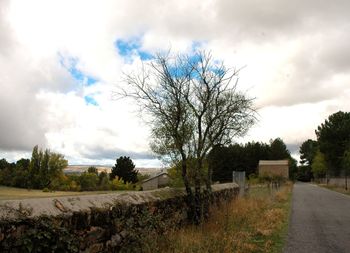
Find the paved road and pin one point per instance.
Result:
(320, 221)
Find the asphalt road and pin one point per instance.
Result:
(320, 221)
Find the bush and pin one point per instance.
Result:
(74, 186)
(88, 181)
(119, 185)
(46, 189)
(103, 181)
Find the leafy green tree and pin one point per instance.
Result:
(3, 164)
(44, 167)
(21, 176)
(308, 151)
(92, 169)
(7, 173)
(304, 173)
(223, 160)
(346, 166)
(278, 150)
(34, 168)
(56, 165)
(124, 169)
(319, 167)
(103, 180)
(88, 181)
(333, 137)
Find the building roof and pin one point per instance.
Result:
(158, 175)
(273, 162)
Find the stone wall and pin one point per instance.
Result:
(274, 170)
(118, 222)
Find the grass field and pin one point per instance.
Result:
(7, 193)
(336, 188)
(255, 223)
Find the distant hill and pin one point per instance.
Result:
(78, 169)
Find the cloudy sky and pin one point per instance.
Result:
(61, 60)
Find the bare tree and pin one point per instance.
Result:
(194, 105)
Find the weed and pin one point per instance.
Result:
(256, 223)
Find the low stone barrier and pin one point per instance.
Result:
(116, 222)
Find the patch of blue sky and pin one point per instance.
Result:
(70, 64)
(197, 45)
(129, 48)
(89, 100)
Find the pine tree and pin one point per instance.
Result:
(124, 169)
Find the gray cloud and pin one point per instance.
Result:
(293, 147)
(320, 29)
(316, 71)
(98, 152)
(23, 116)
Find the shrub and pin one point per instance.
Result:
(46, 189)
(119, 185)
(88, 181)
(74, 186)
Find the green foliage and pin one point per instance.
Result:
(346, 161)
(119, 185)
(44, 167)
(14, 174)
(304, 173)
(125, 170)
(223, 160)
(176, 177)
(319, 167)
(45, 236)
(88, 181)
(142, 177)
(278, 150)
(308, 151)
(270, 179)
(333, 137)
(175, 173)
(92, 169)
(46, 189)
(56, 164)
(103, 181)
(45, 171)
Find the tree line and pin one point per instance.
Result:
(45, 171)
(245, 157)
(329, 154)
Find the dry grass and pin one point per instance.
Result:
(256, 223)
(7, 193)
(336, 188)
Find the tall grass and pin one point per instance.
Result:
(255, 223)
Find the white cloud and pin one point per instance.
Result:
(294, 56)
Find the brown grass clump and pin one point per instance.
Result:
(251, 224)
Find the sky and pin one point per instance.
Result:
(62, 60)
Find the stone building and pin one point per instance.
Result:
(274, 168)
(155, 182)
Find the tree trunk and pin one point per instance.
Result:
(208, 196)
(346, 181)
(197, 202)
(191, 213)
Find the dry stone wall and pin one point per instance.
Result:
(118, 222)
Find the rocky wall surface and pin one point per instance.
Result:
(116, 222)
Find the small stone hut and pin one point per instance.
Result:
(155, 182)
(274, 168)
